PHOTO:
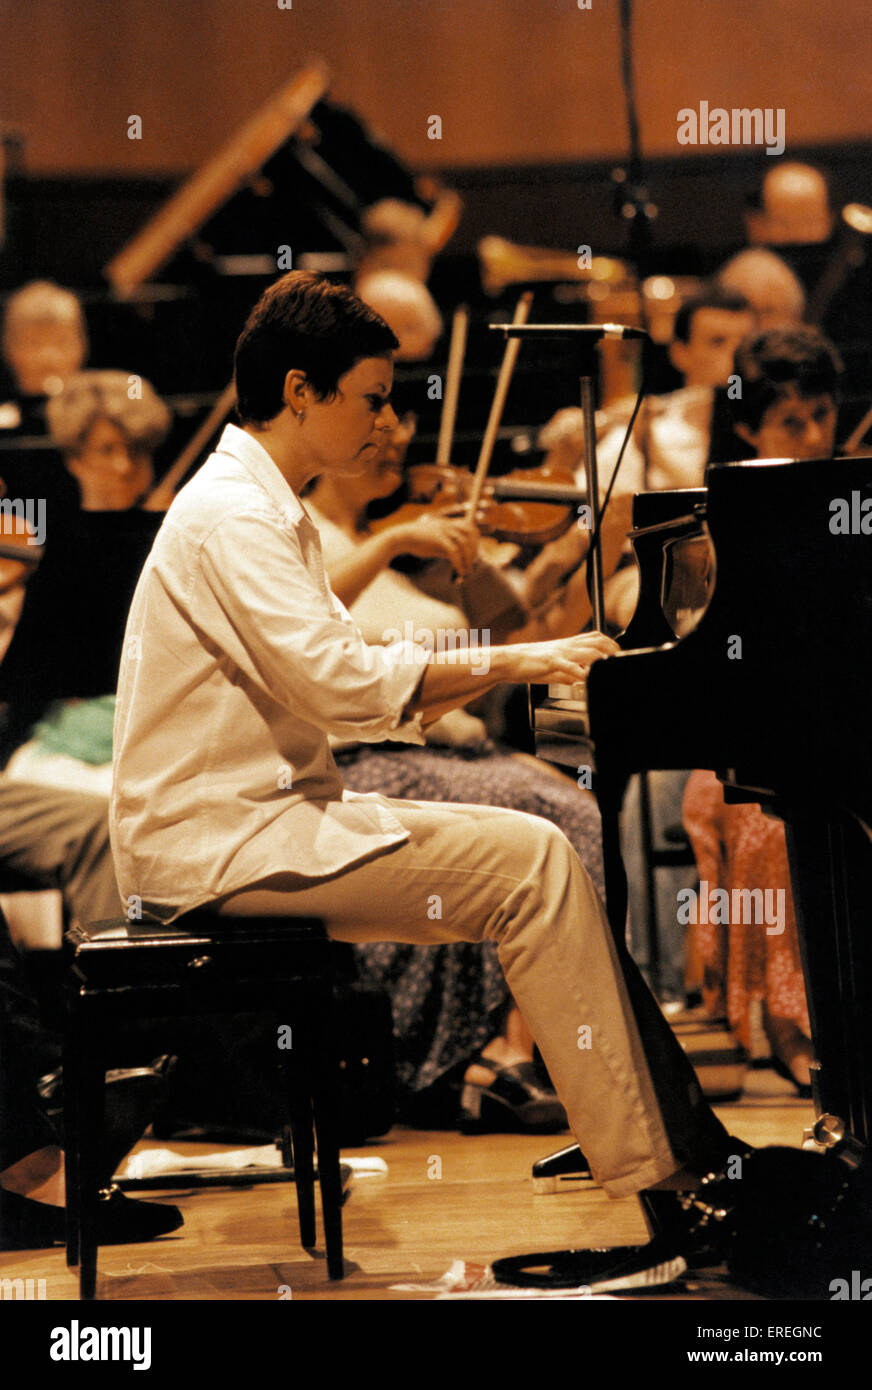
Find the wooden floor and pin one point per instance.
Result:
(403, 1228)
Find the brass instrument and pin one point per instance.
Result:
(504, 263)
(663, 296)
(608, 287)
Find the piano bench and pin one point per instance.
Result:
(202, 963)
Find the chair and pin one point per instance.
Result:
(124, 972)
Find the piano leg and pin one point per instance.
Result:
(831, 875)
(610, 796)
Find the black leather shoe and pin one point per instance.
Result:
(132, 1098)
(515, 1102)
(689, 1230)
(700, 1225)
(29, 1225)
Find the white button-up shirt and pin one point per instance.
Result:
(238, 663)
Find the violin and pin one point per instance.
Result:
(527, 507)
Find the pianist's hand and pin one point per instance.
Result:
(563, 661)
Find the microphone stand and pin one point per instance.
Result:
(591, 473)
(632, 200)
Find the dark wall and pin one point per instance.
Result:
(69, 228)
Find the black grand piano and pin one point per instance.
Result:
(750, 653)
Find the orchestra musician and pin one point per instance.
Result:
(69, 632)
(44, 341)
(669, 447)
(791, 215)
(767, 282)
(57, 836)
(238, 635)
(407, 307)
(788, 409)
(790, 208)
(61, 643)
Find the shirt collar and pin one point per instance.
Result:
(253, 456)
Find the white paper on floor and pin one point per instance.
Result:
(150, 1162)
(466, 1280)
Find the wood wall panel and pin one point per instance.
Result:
(513, 80)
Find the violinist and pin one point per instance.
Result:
(520, 603)
(239, 636)
(443, 531)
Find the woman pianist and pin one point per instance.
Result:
(239, 662)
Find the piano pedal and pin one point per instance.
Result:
(563, 1171)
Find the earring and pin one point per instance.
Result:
(301, 417)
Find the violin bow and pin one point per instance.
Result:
(507, 367)
(163, 493)
(456, 354)
(855, 439)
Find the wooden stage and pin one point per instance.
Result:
(404, 1228)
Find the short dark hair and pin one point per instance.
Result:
(710, 298)
(779, 363)
(303, 322)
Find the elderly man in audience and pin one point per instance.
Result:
(44, 342)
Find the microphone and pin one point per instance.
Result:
(568, 330)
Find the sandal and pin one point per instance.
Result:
(781, 1068)
(515, 1102)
